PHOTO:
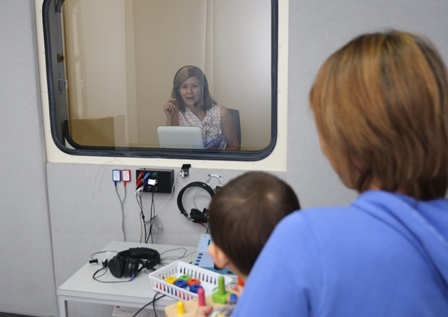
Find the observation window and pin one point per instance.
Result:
(112, 66)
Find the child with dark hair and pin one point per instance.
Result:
(242, 216)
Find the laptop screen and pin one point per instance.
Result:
(176, 137)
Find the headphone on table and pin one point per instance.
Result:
(195, 214)
(129, 262)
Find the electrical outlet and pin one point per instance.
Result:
(155, 180)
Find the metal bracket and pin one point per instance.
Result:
(218, 177)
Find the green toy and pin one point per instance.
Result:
(221, 295)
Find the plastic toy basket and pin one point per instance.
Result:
(208, 279)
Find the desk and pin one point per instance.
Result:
(81, 287)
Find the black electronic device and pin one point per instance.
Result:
(128, 263)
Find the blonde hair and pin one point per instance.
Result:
(381, 108)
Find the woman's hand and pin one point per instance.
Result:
(171, 111)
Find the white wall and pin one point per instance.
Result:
(27, 282)
(317, 28)
(82, 207)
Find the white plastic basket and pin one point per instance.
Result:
(209, 280)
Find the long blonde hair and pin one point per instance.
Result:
(381, 108)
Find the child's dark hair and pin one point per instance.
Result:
(243, 214)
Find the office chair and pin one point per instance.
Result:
(236, 116)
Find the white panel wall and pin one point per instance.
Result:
(86, 218)
(26, 267)
(82, 205)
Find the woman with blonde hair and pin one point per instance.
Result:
(381, 109)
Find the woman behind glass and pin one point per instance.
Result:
(192, 105)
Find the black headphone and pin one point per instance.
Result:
(205, 87)
(129, 262)
(195, 214)
(186, 66)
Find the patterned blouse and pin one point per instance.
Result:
(211, 127)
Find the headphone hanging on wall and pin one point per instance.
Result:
(195, 214)
(129, 262)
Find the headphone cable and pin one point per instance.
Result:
(154, 299)
(122, 209)
(152, 215)
(138, 197)
(106, 269)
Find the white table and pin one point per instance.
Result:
(81, 287)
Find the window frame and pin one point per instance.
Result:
(51, 11)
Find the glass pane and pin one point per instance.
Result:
(121, 59)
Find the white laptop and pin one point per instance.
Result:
(175, 137)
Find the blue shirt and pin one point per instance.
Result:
(383, 255)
